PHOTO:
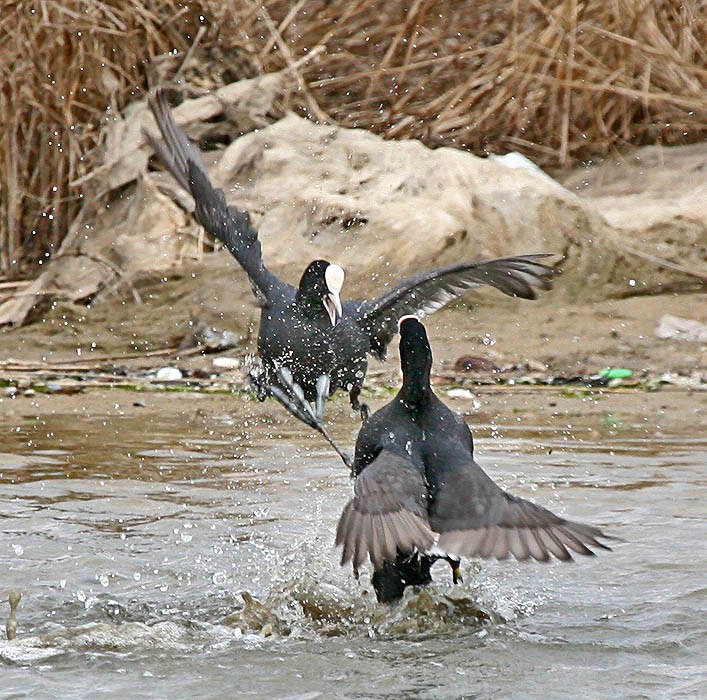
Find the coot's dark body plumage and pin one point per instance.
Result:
(322, 343)
(417, 485)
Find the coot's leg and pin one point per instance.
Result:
(291, 396)
(415, 569)
(388, 583)
(454, 563)
(323, 385)
(357, 405)
(392, 578)
(256, 376)
(456, 570)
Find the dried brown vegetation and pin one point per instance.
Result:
(559, 80)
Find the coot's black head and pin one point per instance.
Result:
(320, 287)
(415, 355)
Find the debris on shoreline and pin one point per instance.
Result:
(18, 378)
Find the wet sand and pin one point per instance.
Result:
(566, 337)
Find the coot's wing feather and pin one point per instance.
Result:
(387, 514)
(176, 150)
(427, 292)
(228, 224)
(475, 517)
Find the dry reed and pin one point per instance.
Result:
(559, 80)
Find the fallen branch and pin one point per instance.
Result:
(12, 363)
(664, 263)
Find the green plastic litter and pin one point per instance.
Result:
(616, 373)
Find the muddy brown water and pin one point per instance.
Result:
(186, 551)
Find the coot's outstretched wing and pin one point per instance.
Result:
(427, 292)
(227, 224)
(475, 517)
(387, 514)
(176, 151)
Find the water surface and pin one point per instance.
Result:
(134, 538)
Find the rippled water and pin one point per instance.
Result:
(135, 540)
